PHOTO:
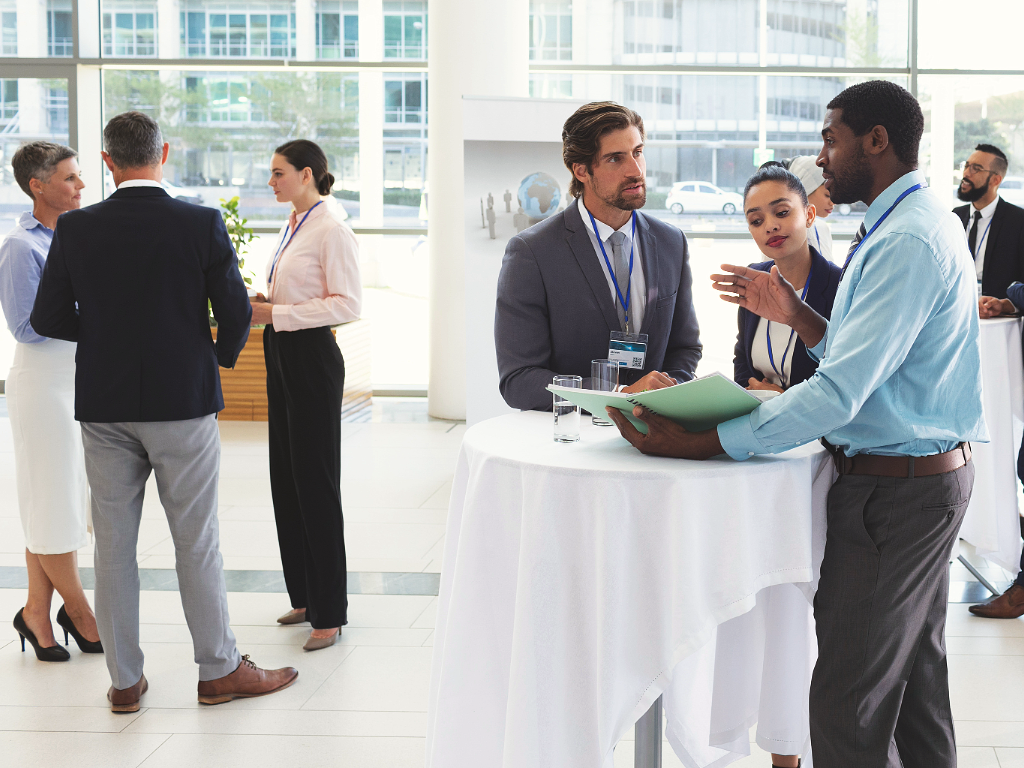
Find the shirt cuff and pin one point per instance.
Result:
(818, 351)
(737, 438)
(282, 317)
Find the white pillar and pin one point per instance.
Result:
(371, 139)
(168, 30)
(87, 127)
(476, 49)
(940, 166)
(305, 30)
(31, 28)
(88, 13)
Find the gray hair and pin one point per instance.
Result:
(38, 160)
(133, 140)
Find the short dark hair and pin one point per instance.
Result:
(582, 132)
(879, 102)
(1001, 163)
(37, 160)
(776, 171)
(303, 153)
(133, 140)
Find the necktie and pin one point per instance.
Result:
(853, 246)
(972, 237)
(620, 263)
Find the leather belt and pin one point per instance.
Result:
(899, 466)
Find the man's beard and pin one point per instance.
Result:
(852, 182)
(974, 193)
(620, 202)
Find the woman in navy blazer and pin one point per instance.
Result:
(779, 219)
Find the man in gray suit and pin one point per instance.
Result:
(129, 280)
(597, 268)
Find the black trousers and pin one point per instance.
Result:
(305, 380)
(880, 690)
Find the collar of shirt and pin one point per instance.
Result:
(986, 212)
(885, 200)
(27, 220)
(315, 212)
(139, 183)
(603, 230)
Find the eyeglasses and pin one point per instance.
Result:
(974, 168)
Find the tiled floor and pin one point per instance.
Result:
(362, 703)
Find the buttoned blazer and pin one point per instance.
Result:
(129, 279)
(554, 311)
(1004, 251)
(821, 294)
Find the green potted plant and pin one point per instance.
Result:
(241, 237)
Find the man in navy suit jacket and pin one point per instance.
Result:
(129, 280)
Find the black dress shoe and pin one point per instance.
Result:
(53, 653)
(87, 646)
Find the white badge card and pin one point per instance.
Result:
(628, 349)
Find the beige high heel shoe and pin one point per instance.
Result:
(292, 618)
(316, 643)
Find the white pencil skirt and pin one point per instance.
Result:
(53, 493)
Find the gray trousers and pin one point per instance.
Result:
(185, 456)
(880, 690)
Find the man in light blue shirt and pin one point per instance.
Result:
(897, 398)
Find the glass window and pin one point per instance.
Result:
(405, 29)
(8, 30)
(834, 34)
(58, 28)
(337, 29)
(129, 28)
(238, 29)
(223, 127)
(550, 30)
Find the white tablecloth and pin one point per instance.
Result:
(991, 523)
(582, 581)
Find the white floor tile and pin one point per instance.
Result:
(306, 722)
(217, 751)
(98, 719)
(977, 757)
(980, 733)
(1009, 758)
(108, 750)
(378, 680)
(986, 687)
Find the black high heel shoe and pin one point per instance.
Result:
(53, 653)
(87, 646)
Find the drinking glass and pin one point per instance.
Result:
(567, 413)
(604, 377)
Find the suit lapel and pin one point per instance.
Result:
(649, 261)
(998, 217)
(583, 249)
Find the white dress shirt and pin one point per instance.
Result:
(983, 226)
(783, 342)
(638, 292)
(139, 183)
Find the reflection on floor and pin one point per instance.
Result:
(361, 703)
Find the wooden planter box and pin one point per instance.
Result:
(245, 386)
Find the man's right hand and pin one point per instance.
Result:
(769, 295)
(990, 306)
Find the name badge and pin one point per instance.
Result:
(629, 350)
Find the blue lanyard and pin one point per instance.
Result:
(285, 242)
(768, 333)
(878, 223)
(817, 236)
(977, 245)
(618, 292)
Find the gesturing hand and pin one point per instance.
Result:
(764, 386)
(664, 437)
(766, 294)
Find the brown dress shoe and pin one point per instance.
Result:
(246, 682)
(1009, 605)
(127, 699)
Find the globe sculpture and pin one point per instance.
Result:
(539, 195)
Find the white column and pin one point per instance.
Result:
(940, 166)
(88, 138)
(476, 49)
(88, 13)
(305, 30)
(31, 28)
(168, 29)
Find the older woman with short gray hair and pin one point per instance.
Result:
(49, 461)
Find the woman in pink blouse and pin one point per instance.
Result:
(313, 284)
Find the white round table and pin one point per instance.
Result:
(583, 581)
(991, 523)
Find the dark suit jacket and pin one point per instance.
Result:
(140, 267)
(1004, 251)
(820, 295)
(555, 314)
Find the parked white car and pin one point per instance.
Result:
(701, 197)
(1012, 190)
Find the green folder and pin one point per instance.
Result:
(697, 405)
